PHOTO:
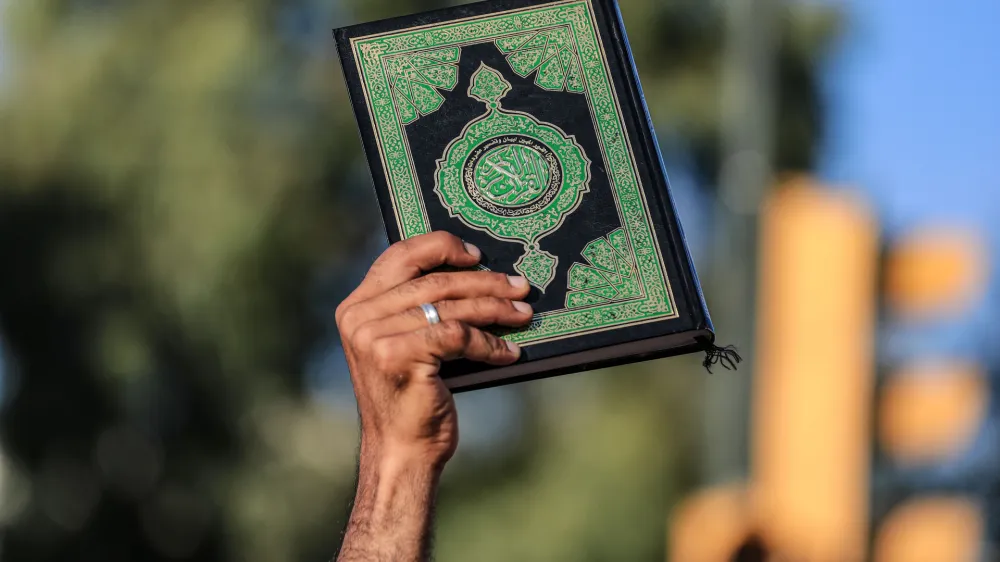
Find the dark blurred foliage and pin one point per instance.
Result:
(679, 47)
(181, 191)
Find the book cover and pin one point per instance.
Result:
(520, 126)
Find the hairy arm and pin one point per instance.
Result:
(393, 510)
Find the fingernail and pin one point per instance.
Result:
(522, 306)
(513, 347)
(517, 281)
(473, 250)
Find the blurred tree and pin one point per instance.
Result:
(678, 46)
(172, 180)
(176, 180)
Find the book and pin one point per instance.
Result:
(520, 126)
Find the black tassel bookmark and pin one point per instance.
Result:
(727, 356)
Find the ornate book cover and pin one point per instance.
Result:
(519, 125)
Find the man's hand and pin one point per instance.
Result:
(409, 426)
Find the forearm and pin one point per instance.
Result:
(393, 509)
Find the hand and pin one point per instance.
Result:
(409, 427)
(394, 354)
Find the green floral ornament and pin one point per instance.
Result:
(512, 176)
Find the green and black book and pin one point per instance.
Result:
(520, 126)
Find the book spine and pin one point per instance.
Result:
(366, 131)
(651, 148)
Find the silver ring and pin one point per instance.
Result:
(431, 313)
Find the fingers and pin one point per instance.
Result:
(408, 259)
(449, 340)
(434, 287)
(382, 322)
(479, 312)
(455, 340)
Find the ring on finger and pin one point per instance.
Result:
(430, 313)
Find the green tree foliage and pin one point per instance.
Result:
(180, 186)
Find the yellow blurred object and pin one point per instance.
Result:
(814, 386)
(710, 526)
(935, 271)
(931, 412)
(931, 530)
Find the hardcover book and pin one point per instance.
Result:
(520, 126)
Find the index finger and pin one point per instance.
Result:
(408, 259)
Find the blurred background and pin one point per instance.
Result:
(183, 202)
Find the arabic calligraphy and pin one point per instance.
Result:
(512, 175)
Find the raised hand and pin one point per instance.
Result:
(395, 348)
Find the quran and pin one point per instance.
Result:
(520, 126)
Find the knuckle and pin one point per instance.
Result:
(455, 333)
(449, 246)
(446, 310)
(491, 307)
(401, 246)
(497, 345)
(499, 304)
(342, 315)
(499, 279)
(435, 282)
(454, 243)
(437, 240)
(364, 336)
(417, 313)
(397, 250)
(388, 254)
(443, 237)
(382, 354)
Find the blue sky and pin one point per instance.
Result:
(915, 124)
(916, 114)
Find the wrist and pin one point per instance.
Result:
(393, 506)
(393, 483)
(393, 460)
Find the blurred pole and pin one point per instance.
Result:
(934, 528)
(815, 378)
(710, 526)
(747, 131)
